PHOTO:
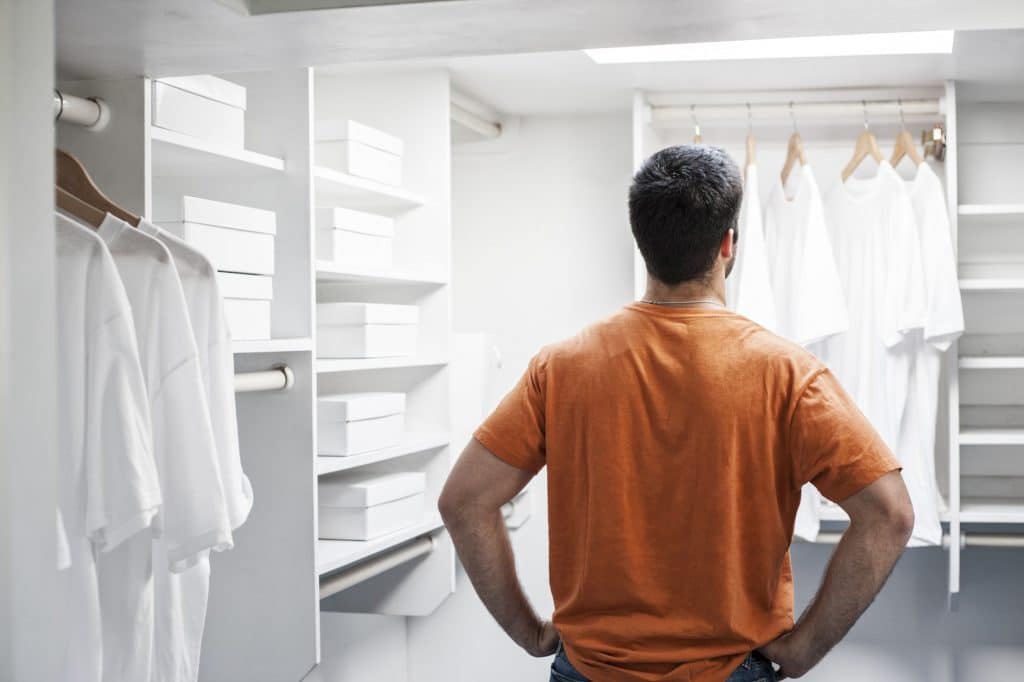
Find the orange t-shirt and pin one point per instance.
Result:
(676, 442)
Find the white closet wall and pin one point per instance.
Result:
(28, 381)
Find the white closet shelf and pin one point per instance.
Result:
(411, 444)
(991, 209)
(350, 191)
(992, 437)
(326, 271)
(179, 155)
(272, 345)
(992, 284)
(992, 510)
(329, 365)
(334, 554)
(992, 362)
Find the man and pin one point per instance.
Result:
(677, 436)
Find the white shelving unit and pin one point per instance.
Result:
(991, 210)
(412, 444)
(336, 365)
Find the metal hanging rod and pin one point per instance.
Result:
(888, 108)
(280, 378)
(92, 112)
(966, 539)
(342, 580)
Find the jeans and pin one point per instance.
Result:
(755, 668)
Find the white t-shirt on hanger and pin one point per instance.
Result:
(809, 301)
(944, 322)
(109, 491)
(749, 286)
(216, 359)
(194, 518)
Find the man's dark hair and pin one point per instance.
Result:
(681, 203)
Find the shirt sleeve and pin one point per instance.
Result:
(514, 432)
(831, 442)
(122, 485)
(905, 297)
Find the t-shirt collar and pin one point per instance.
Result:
(111, 228)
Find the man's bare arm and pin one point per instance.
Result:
(470, 505)
(881, 520)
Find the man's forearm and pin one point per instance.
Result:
(859, 567)
(485, 549)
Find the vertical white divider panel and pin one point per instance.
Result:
(28, 381)
(951, 360)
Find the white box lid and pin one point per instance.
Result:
(353, 131)
(217, 213)
(334, 218)
(366, 313)
(366, 489)
(211, 87)
(350, 407)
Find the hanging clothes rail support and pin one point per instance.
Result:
(92, 112)
(474, 115)
(1009, 540)
(917, 108)
(342, 580)
(280, 378)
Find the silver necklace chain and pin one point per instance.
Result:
(691, 302)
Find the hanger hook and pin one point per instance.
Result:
(696, 123)
(903, 122)
(792, 116)
(864, 103)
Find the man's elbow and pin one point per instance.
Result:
(448, 506)
(900, 520)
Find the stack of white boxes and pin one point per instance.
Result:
(354, 423)
(239, 241)
(357, 149)
(366, 505)
(366, 330)
(206, 107)
(354, 239)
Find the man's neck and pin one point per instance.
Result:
(711, 290)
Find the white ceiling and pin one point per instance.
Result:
(102, 38)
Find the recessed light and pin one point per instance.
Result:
(862, 44)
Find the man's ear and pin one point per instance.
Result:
(728, 246)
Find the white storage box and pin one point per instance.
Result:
(354, 239)
(205, 107)
(366, 330)
(354, 423)
(237, 285)
(187, 209)
(367, 505)
(248, 319)
(360, 150)
(229, 250)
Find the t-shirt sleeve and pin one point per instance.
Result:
(122, 486)
(831, 442)
(194, 515)
(905, 297)
(514, 432)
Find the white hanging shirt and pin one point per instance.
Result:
(216, 360)
(809, 301)
(108, 485)
(749, 286)
(944, 322)
(194, 517)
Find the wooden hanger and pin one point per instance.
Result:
(75, 180)
(697, 139)
(794, 149)
(905, 146)
(72, 205)
(751, 143)
(865, 146)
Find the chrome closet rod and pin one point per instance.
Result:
(90, 112)
(279, 378)
(342, 580)
(1010, 540)
(803, 111)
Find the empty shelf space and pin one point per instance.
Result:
(992, 362)
(992, 284)
(334, 554)
(991, 209)
(992, 510)
(992, 437)
(272, 345)
(327, 271)
(411, 445)
(179, 155)
(329, 365)
(349, 191)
